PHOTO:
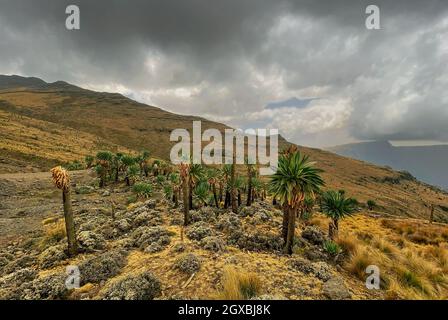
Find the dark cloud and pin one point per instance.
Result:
(227, 59)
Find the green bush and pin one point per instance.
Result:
(142, 189)
(332, 248)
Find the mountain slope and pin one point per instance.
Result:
(427, 163)
(43, 124)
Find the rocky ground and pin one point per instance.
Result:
(143, 252)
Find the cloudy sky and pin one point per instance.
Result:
(309, 68)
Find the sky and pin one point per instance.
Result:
(309, 68)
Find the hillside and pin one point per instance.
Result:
(427, 163)
(135, 244)
(43, 124)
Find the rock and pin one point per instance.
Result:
(102, 267)
(198, 231)
(335, 289)
(314, 235)
(213, 243)
(144, 286)
(105, 193)
(90, 241)
(188, 263)
(320, 270)
(301, 264)
(52, 256)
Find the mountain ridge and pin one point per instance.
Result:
(42, 127)
(427, 163)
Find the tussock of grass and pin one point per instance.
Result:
(239, 285)
(347, 243)
(54, 231)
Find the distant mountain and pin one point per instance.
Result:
(427, 163)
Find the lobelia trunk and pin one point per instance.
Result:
(190, 196)
(249, 193)
(285, 224)
(333, 229)
(215, 196)
(291, 230)
(69, 223)
(239, 198)
(186, 202)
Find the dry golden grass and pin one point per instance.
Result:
(409, 270)
(54, 231)
(239, 285)
(418, 231)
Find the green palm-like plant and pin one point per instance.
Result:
(196, 173)
(141, 160)
(336, 206)
(295, 178)
(104, 160)
(127, 161)
(212, 178)
(131, 174)
(251, 173)
(201, 192)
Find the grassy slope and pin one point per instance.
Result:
(53, 124)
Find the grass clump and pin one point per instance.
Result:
(332, 248)
(239, 285)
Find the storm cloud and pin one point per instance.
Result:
(227, 60)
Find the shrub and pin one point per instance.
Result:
(144, 286)
(142, 189)
(188, 263)
(75, 165)
(198, 231)
(332, 247)
(239, 285)
(371, 204)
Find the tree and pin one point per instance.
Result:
(89, 160)
(141, 161)
(295, 178)
(61, 180)
(184, 169)
(131, 174)
(233, 195)
(226, 173)
(371, 204)
(116, 164)
(175, 185)
(104, 161)
(212, 177)
(201, 191)
(336, 206)
(196, 172)
(127, 161)
(251, 173)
